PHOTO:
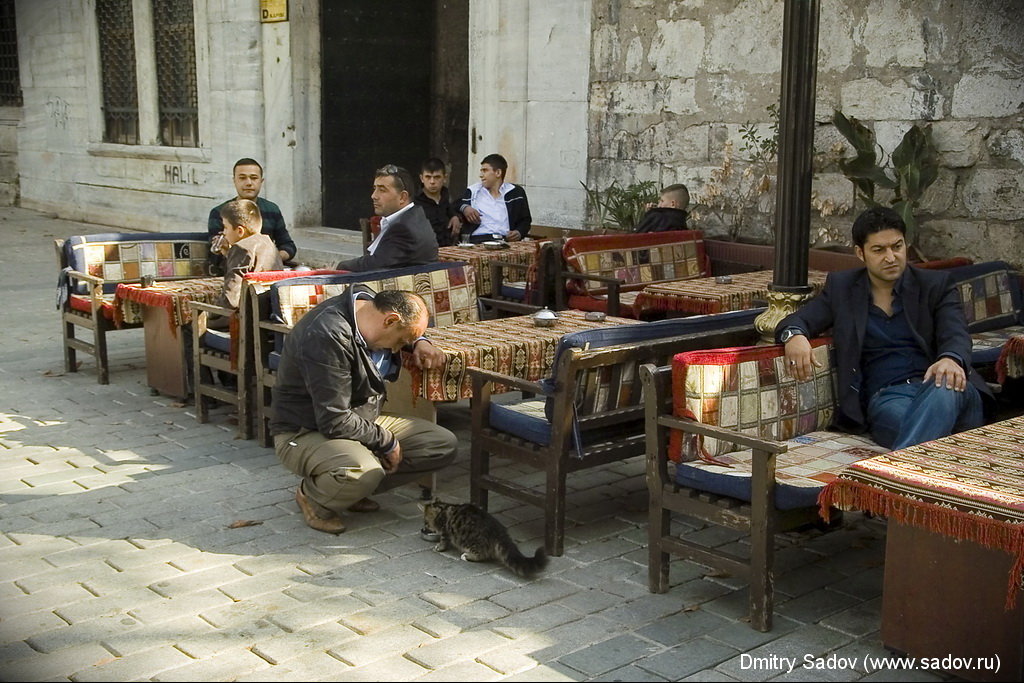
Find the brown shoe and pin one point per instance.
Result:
(364, 505)
(330, 525)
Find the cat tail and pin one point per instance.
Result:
(520, 564)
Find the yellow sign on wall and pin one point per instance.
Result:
(273, 10)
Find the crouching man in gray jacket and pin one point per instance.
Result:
(327, 422)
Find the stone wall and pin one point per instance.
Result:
(673, 81)
(10, 117)
(67, 168)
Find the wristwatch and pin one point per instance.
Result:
(789, 333)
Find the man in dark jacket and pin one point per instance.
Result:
(248, 178)
(670, 212)
(903, 352)
(327, 422)
(405, 237)
(494, 209)
(435, 202)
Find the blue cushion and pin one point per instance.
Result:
(525, 419)
(786, 497)
(514, 290)
(273, 360)
(218, 339)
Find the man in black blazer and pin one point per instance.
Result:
(903, 352)
(405, 237)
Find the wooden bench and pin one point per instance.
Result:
(91, 267)
(589, 411)
(750, 450)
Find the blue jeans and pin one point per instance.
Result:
(903, 415)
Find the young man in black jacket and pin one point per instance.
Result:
(435, 202)
(494, 209)
(669, 214)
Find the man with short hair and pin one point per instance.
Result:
(435, 202)
(669, 213)
(327, 422)
(405, 237)
(903, 352)
(493, 208)
(247, 175)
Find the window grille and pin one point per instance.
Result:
(117, 68)
(10, 81)
(174, 38)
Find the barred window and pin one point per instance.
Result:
(10, 80)
(174, 38)
(114, 19)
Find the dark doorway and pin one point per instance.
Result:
(381, 94)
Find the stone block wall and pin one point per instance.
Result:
(10, 117)
(672, 81)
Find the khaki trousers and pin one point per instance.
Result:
(339, 472)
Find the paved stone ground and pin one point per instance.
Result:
(117, 561)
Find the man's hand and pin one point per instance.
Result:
(947, 373)
(285, 256)
(471, 214)
(799, 360)
(455, 225)
(392, 458)
(513, 236)
(427, 356)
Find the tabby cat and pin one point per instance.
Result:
(479, 535)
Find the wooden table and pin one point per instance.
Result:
(163, 309)
(480, 257)
(512, 346)
(706, 295)
(954, 562)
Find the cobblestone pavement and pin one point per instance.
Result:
(117, 560)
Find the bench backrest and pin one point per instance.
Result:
(614, 384)
(636, 259)
(749, 390)
(448, 288)
(991, 295)
(125, 257)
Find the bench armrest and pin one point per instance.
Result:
(693, 427)
(614, 285)
(275, 327)
(201, 306)
(91, 279)
(479, 374)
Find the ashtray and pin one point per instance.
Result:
(465, 245)
(147, 281)
(545, 318)
(723, 280)
(495, 244)
(594, 316)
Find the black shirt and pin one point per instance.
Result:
(438, 213)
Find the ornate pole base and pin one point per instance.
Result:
(781, 302)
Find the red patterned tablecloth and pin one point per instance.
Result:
(480, 257)
(512, 346)
(705, 295)
(172, 295)
(969, 486)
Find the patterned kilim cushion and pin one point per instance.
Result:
(584, 302)
(991, 299)
(812, 461)
(749, 390)
(635, 259)
(80, 302)
(986, 346)
(125, 257)
(449, 290)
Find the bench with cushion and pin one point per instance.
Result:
(449, 289)
(606, 272)
(994, 308)
(588, 412)
(91, 267)
(750, 449)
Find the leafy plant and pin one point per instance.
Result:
(621, 208)
(914, 167)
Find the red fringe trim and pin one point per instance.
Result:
(990, 533)
(1011, 359)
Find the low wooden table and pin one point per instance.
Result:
(480, 257)
(512, 346)
(706, 295)
(954, 562)
(163, 309)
